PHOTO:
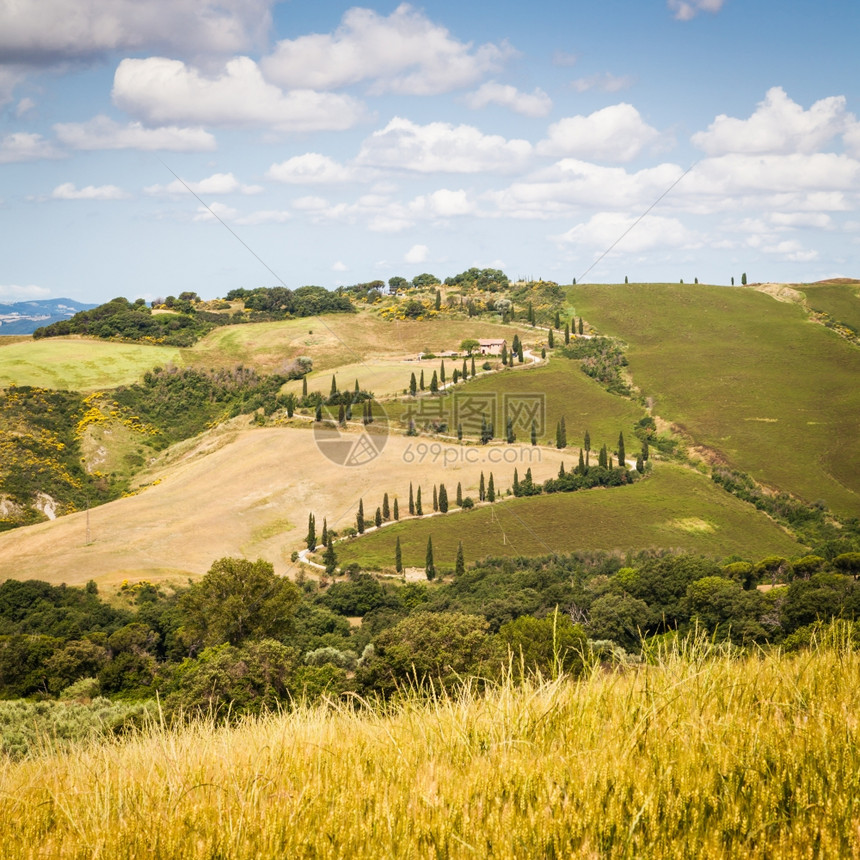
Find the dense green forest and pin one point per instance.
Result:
(242, 639)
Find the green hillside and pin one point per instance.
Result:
(674, 508)
(750, 378)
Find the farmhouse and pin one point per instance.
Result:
(492, 346)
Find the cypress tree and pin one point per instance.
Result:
(640, 464)
(333, 392)
(645, 449)
(341, 414)
(550, 339)
(543, 353)
(622, 457)
(311, 539)
(325, 532)
(482, 493)
(465, 371)
(603, 457)
(557, 323)
(386, 510)
(561, 469)
(305, 386)
(504, 353)
(587, 443)
(434, 384)
(398, 557)
(531, 314)
(438, 300)
(330, 558)
(421, 381)
(455, 376)
(443, 499)
(396, 511)
(349, 411)
(413, 385)
(491, 489)
(460, 565)
(377, 517)
(411, 501)
(429, 567)
(515, 346)
(357, 389)
(534, 433)
(435, 499)
(744, 278)
(318, 412)
(563, 433)
(566, 334)
(418, 509)
(581, 467)
(459, 495)
(442, 372)
(473, 367)
(625, 279)
(291, 405)
(359, 517)
(520, 353)
(516, 483)
(459, 431)
(580, 325)
(509, 432)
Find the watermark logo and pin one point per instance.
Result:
(352, 442)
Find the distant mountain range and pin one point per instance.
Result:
(26, 317)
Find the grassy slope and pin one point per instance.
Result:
(333, 340)
(752, 378)
(725, 757)
(675, 507)
(79, 364)
(840, 301)
(234, 491)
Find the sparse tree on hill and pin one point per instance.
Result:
(396, 511)
(566, 334)
(429, 567)
(311, 539)
(482, 493)
(587, 443)
(465, 372)
(561, 434)
(443, 499)
(434, 384)
(435, 499)
(348, 414)
(318, 412)
(640, 464)
(744, 278)
(413, 385)
(377, 517)
(341, 414)
(625, 280)
(550, 340)
(561, 469)
(622, 456)
(509, 432)
(504, 353)
(472, 374)
(438, 304)
(411, 501)
(603, 457)
(386, 510)
(531, 314)
(442, 372)
(333, 392)
(324, 540)
(305, 386)
(359, 517)
(459, 494)
(516, 482)
(520, 357)
(557, 321)
(330, 558)
(398, 557)
(418, 509)
(580, 325)
(645, 449)
(460, 564)
(460, 431)
(491, 489)
(455, 376)
(534, 433)
(421, 381)
(581, 466)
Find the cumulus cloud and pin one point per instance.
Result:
(160, 91)
(791, 250)
(653, 231)
(790, 220)
(53, 31)
(403, 53)
(9, 79)
(778, 125)
(312, 168)
(686, 10)
(265, 216)
(215, 211)
(615, 133)
(537, 103)
(68, 191)
(102, 132)
(606, 83)
(416, 254)
(25, 146)
(22, 292)
(441, 147)
(218, 183)
(443, 204)
(339, 267)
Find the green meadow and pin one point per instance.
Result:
(675, 507)
(841, 302)
(79, 364)
(770, 392)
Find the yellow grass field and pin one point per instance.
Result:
(239, 492)
(696, 755)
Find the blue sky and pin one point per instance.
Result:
(345, 143)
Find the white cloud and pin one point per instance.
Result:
(441, 147)
(339, 267)
(654, 231)
(443, 204)
(218, 183)
(778, 126)
(686, 10)
(404, 53)
(819, 220)
(310, 169)
(606, 83)
(791, 250)
(101, 132)
(24, 146)
(53, 31)
(68, 191)
(216, 211)
(265, 216)
(615, 133)
(22, 293)
(852, 139)
(9, 79)
(24, 107)
(537, 103)
(311, 203)
(159, 90)
(416, 254)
